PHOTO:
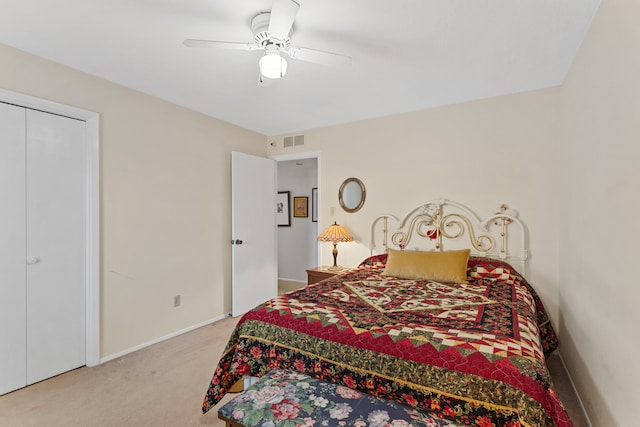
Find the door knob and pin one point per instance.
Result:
(238, 242)
(33, 260)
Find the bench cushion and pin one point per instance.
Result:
(286, 398)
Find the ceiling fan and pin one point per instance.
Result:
(271, 31)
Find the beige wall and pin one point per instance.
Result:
(482, 154)
(600, 293)
(165, 206)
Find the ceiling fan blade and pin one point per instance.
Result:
(219, 45)
(319, 57)
(283, 13)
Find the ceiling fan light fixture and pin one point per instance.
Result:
(272, 65)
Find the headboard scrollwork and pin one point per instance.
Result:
(441, 222)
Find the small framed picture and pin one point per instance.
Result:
(314, 204)
(283, 213)
(300, 207)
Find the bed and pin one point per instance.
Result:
(464, 338)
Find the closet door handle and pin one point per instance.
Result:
(33, 260)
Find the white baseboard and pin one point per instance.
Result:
(584, 412)
(292, 280)
(163, 338)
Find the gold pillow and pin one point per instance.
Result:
(447, 266)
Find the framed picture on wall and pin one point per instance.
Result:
(300, 207)
(283, 211)
(314, 204)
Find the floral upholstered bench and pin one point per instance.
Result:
(285, 398)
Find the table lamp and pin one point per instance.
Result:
(334, 234)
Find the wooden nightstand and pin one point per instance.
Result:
(316, 274)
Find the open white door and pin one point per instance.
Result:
(253, 232)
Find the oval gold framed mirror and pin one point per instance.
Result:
(352, 195)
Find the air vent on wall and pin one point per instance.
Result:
(293, 141)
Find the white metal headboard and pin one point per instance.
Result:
(443, 224)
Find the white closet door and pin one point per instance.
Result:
(55, 200)
(12, 249)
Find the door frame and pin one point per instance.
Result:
(302, 156)
(92, 208)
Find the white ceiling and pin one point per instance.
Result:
(407, 54)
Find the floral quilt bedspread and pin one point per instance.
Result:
(291, 399)
(473, 352)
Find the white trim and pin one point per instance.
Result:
(164, 338)
(93, 242)
(295, 156)
(292, 280)
(34, 103)
(575, 391)
(92, 231)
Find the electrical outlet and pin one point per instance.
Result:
(176, 301)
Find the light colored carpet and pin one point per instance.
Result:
(285, 286)
(161, 385)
